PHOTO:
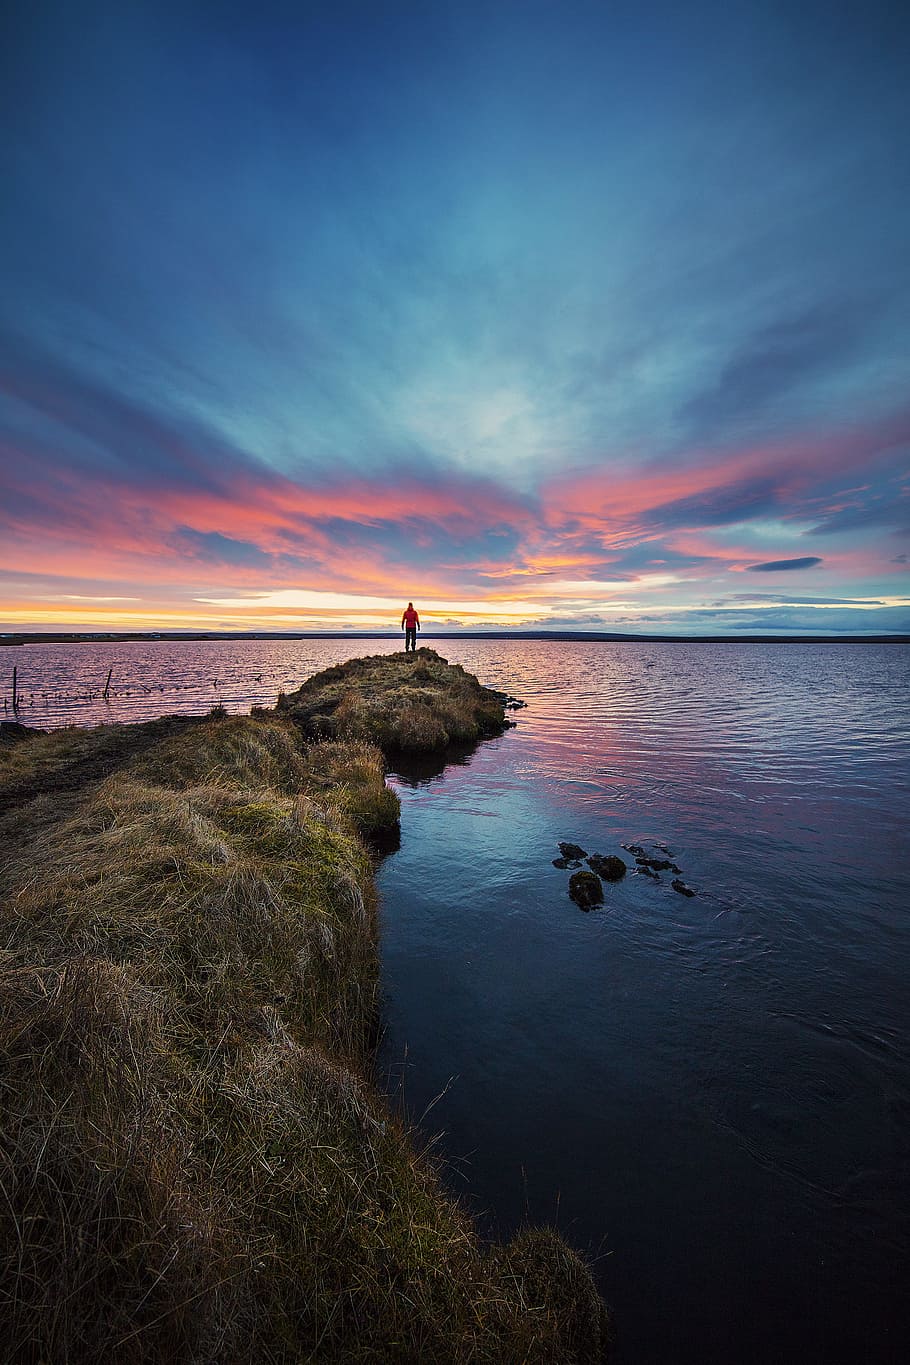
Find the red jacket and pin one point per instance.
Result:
(410, 618)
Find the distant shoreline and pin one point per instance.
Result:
(567, 637)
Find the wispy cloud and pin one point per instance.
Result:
(784, 565)
(779, 358)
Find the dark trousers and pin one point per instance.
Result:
(410, 638)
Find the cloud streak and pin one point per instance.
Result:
(785, 565)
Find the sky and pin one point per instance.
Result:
(588, 316)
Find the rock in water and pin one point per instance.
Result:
(658, 864)
(681, 887)
(610, 867)
(586, 889)
(572, 852)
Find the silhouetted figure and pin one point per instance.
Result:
(410, 623)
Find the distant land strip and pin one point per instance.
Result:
(564, 636)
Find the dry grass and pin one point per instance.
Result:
(62, 760)
(401, 702)
(348, 776)
(194, 1164)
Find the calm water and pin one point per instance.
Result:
(710, 1095)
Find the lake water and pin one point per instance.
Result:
(709, 1095)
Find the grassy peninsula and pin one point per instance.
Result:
(195, 1162)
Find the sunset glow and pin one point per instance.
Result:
(534, 316)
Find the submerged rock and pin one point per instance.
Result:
(572, 851)
(586, 889)
(681, 887)
(639, 850)
(609, 867)
(648, 872)
(658, 864)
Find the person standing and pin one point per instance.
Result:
(410, 623)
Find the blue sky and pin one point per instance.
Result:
(542, 314)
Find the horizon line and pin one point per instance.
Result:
(20, 637)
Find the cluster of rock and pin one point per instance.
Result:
(586, 887)
(586, 884)
(651, 866)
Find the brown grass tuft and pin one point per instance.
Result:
(413, 703)
(194, 1163)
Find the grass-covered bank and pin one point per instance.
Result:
(414, 703)
(194, 1161)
